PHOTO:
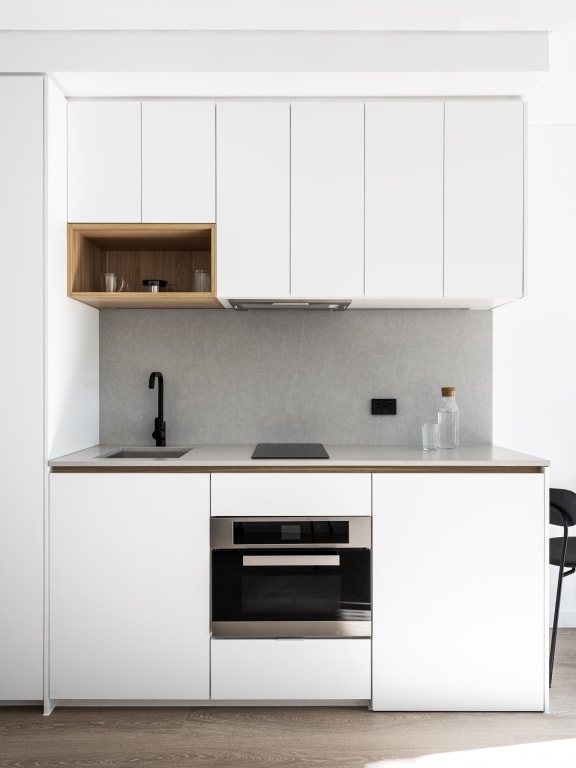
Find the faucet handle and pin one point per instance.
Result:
(159, 433)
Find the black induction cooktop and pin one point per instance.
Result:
(290, 451)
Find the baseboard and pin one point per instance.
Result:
(566, 620)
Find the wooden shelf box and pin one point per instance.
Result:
(138, 252)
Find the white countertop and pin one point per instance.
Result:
(214, 457)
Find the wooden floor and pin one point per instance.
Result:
(274, 737)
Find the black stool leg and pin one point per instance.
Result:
(557, 606)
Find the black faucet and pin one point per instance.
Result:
(159, 433)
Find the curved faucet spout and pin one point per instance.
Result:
(159, 433)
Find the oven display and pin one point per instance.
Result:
(291, 532)
(282, 532)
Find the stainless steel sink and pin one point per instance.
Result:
(146, 453)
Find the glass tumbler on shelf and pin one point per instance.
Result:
(201, 282)
(430, 433)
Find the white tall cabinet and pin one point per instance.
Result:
(49, 384)
(22, 388)
(459, 591)
(129, 586)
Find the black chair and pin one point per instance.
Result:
(562, 549)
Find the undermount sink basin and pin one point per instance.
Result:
(146, 453)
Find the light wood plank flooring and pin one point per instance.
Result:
(273, 737)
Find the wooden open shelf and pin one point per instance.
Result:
(140, 252)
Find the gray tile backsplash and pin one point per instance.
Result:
(245, 377)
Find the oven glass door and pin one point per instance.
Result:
(291, 593)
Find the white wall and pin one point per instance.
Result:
(72, 336)
(70, 329)
(534, 345)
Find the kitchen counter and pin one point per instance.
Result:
(351, 458)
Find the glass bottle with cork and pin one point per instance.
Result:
(448, 419)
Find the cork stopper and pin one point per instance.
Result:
(448, 391)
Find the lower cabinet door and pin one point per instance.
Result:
(291, 669)
(129, 586)
(459, 592)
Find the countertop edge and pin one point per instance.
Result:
(367, 458)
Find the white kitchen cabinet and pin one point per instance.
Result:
(151, 162)
(459, 591)
(129, 586)
(104, 153)
(22, 392)
(327, 199)
(178, 161)
(404, 159)
(484, 199)
(291, 669)
(388, 202)
(283, 494)
(253, 188)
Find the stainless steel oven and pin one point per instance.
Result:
(291, 577)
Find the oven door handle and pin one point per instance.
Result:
(290, 560)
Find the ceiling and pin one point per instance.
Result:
(363, 48)
(437, 15)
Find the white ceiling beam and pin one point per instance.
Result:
(274, 51)
(439, 15)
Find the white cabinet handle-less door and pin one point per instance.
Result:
(459, 604)
(129, 586)
(253, 199)
(104, 150)
(178, 162)
(484, 199)
(404, 199)
(327, 205)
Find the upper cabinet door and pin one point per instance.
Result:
(253, 147)
(327, 257)
(404, 199)
(104, 161)
(178, 162)
(484, 199)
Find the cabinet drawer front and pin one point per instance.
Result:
(291, 495)
(291, 669)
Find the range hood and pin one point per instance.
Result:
(332, 306)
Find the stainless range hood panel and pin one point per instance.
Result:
(332, 306)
